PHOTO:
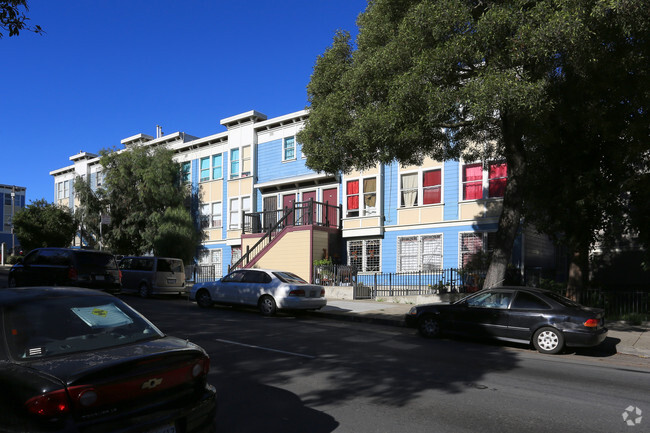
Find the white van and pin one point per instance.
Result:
(149, 275)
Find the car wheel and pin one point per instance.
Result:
(144, 291)
(203, 299)
(267, 305)
(11, 282)
(429, 327)
(548, 340)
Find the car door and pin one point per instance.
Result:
(485, 314)
(227, 289)
(527, 312)
(254, 285)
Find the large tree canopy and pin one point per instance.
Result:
(43, 224)
(145, 199)
(13, 18)
(467, 79)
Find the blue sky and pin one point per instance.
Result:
(109, 69)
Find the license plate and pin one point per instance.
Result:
(312, 294)
(99, 278)
(171, 280)
(167, 428)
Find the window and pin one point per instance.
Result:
(216, 215)
(217, 166)
(211, 215)
(234, 163)
(235, 255)
(473, 243)
(238, 206)
(431, 183)
(365, 255)
(186, 169)
(419, 253)
(205, 216)
(235, 216)
(474, 186)
(472, 181)
(528, 301)
(289, 149)
(246, 161)
(212, 257)
(352, 194)
(204, 169)
(409, 189)
(370, 196)
(497, 178)
(356, 190)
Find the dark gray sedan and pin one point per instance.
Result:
(518, 314)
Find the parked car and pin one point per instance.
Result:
(152, 275)
(265, 289)
(66, 267)
(519, 314)
(81, 360)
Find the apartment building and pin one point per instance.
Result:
(12, 198)
(260, 205)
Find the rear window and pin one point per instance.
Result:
(170, 265)
(57, 326)
(95, 260)
(289, 278)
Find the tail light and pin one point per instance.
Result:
(297, 292)
(591, 323)
(120, 275)
(49, 405)
(73, 274)
(322, 293)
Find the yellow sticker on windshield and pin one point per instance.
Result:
(99, 312)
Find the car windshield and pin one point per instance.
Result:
(288, 277)
(55, 326)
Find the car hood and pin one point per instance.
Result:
(68, 368)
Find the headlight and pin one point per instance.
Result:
(413, 311)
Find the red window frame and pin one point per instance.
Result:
(431, 187)
(473, 181)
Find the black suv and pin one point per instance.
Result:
(67, 267)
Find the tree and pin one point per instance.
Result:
(454, 79)
(43, 224)
(143, 194)
(13, 20)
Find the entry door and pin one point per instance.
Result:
(287, 203)
(330, 196)
(270, 212)
(307, 217)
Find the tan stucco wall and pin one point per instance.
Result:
(237, 187)
(291, 253)
(420, 215)
(211, 191)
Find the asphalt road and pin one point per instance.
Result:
(306, 374)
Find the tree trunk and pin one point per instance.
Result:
(578, 270)
(512, 203)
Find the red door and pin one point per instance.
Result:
(287, 204)
(330, 214)
(307, 199)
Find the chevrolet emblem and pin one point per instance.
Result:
(152, 383)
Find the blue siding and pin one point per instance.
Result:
(391, 194)
(224, 201)
(451, 189)
(269, 156)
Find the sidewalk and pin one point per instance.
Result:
(621, 337)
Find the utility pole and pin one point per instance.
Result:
(13, 211)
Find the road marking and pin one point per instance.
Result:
(266, 348)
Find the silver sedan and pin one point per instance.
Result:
(267, 290)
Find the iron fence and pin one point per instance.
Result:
(334, 275)
(200, 273)
(617, 304)
(418, 283)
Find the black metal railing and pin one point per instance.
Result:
(418, 283)
(618, 304)
(200, 273)
(334, 275)
(300, 214)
